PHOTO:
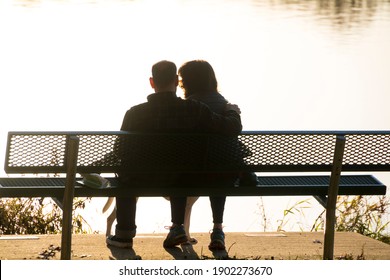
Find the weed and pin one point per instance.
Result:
(296, 208)
(36, 216)
(361, 214)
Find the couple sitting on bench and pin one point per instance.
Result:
(164, 112)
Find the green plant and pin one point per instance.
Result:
(362, 214)
(37, 216)
(296, 208)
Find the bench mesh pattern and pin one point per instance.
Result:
(165, 152)
(37, 150)
(281, 149)
(359, 180)
(363, 149)
(32, 182)
(99, 152)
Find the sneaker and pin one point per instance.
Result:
(217, 240)
(115, 241)
(176, 236)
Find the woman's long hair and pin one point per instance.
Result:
(197, 76)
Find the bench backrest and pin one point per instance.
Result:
(259, 151)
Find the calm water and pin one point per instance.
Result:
(290, 65)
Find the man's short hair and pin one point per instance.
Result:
(164, 73)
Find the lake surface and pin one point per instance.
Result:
(288, 64)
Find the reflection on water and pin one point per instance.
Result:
(289, 64)
(342, 14)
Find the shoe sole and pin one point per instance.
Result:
(217, 245)
(119, 244)
(180, 239)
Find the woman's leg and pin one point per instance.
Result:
(217, 208)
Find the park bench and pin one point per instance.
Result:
(288, 163)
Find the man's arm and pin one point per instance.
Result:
(126, 122)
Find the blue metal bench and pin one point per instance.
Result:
(300, 154)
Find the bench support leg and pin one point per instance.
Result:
(332, 198)
(321, 199)
(66, 239)
(59, 201)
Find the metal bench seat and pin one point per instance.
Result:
(298, 152)
(267, 186)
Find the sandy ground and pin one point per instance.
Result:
(278, 246)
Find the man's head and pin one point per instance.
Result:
(164, 76)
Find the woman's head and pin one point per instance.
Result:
(197, 76)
